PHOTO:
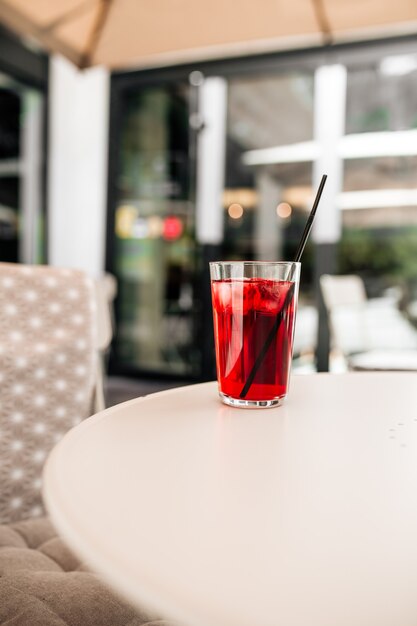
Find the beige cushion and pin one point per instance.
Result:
(43, 584)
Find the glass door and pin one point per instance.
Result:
(154, 245)
(163, 316)
(268, 187)
(21, 167)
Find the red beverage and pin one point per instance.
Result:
(254, 329)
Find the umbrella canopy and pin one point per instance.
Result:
(141, 33)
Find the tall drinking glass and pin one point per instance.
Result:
(254, 309)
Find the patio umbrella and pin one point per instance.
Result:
(140, 33)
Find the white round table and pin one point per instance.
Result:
(302, 515)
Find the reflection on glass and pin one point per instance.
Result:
(273, 198)
(154, 244)
(379, 203)
(378, 100)
(21, 111)
(10, 107)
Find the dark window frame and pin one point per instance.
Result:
(31, 69)
(25, 65)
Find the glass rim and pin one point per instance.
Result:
(223, 263)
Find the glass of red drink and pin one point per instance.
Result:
(254, 309)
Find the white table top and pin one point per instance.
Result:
(302, 515)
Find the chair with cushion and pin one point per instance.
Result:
(371, 334)
(43, 584)
(49, 343)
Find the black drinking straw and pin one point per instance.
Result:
(310, 220)
(289, 295)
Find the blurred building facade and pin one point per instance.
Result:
(219, 160)
(281, 121)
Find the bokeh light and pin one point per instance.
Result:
(173, 228)
(284, 210)
(155, 226)
(235, 211)
(125, 219)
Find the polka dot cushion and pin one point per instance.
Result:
(47, 366)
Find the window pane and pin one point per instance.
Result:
(9, 124)
(266, 202)
(379, 100)
(154, 235)
(379, 200)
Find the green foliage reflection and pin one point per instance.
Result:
(387, 254)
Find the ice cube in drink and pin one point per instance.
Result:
(245, 321)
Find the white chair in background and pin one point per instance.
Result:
(371, 334)
(305, 336)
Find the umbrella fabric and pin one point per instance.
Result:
(143, 33)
